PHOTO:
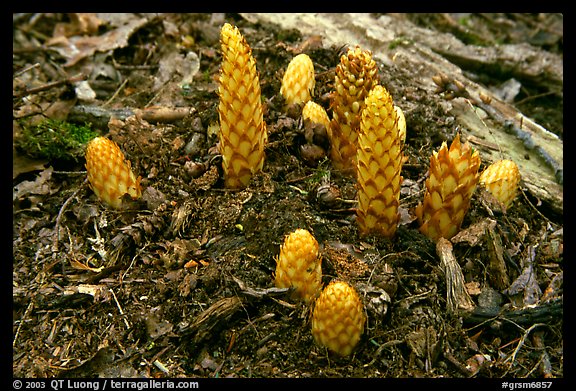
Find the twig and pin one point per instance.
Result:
(454, 361)
(61, 212)
(497, 272)
(546, 312)
(161, 366)
(259, 293)
(72, 173)
(381, 348)
(120, 309)
(133, 261)
(57, 83)
(544, 363)
(211, 318)
(26, 69)
(26, 313)
(521, 342)
(528, 98)
(157, 363)
(534, 208)
(115, 93)
(124, 67)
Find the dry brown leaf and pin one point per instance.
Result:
(22, 164)
(77, 47)
(474, 234)
(40, 186)
(81, 266)
(81, 23)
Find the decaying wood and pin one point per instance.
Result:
(497, 273)
(100, 116)
(399, 44)
(134, 235)
(457, 297)
(521, 61)
(214, 316)
(548, 312)
(259, 293)
(545, 365)
(209, 320)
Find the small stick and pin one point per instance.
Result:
(57, 83)
(72, 173)
(521, 342)
(61, 212)
(498, 274)
(454, 361)
(115, 93)
(26, 313)
(385, 345)
(26, 69)
(120, 309)
(545, 365)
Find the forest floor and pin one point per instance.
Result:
(178, 285)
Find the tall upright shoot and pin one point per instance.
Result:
(379, 163)
(243, 133)
(356, 74)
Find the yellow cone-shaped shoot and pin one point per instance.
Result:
(242, 134)
(379, 163)
(109, 173)
(315, 113)
(356, 74)
(298, 81)
(453, 177)
(338, 318)
(502, 180)
(299, 265)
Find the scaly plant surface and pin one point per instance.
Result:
(315, 113)
(299, 80)
(243, 135)
(453, 177)
(379, 163)
(401, 123)
(502, 179)
(299, 265)
(356, 75)
(109, 173)
(338, 318)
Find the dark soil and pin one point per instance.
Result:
(178, 284)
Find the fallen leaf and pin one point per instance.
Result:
(40, 186)
(473, 288)
(81, 23)
(77, 48)
(475, 233)
(81, 266)
(22, 165)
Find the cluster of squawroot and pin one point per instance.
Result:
(367, 132)
(338, 312)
